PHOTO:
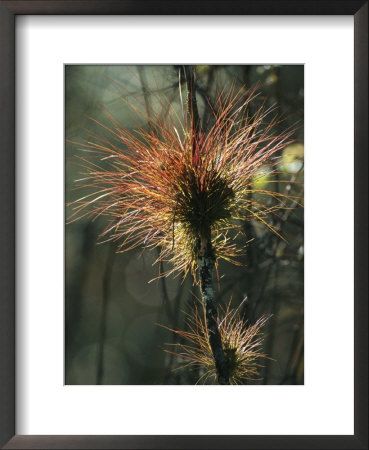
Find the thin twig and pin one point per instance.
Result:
(206, 257)
(104, 307)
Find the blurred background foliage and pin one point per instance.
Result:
(111, 309)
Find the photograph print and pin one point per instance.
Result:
(184, 224)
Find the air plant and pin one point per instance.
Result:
(185, 189)
(242, 345)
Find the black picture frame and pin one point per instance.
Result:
(8, 12)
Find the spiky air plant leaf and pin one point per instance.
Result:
(242, 345)
(163, 187)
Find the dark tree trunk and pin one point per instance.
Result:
(205, 268)
(206, 254)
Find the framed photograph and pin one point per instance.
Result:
(184, 225)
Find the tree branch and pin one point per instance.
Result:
(206, 257)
